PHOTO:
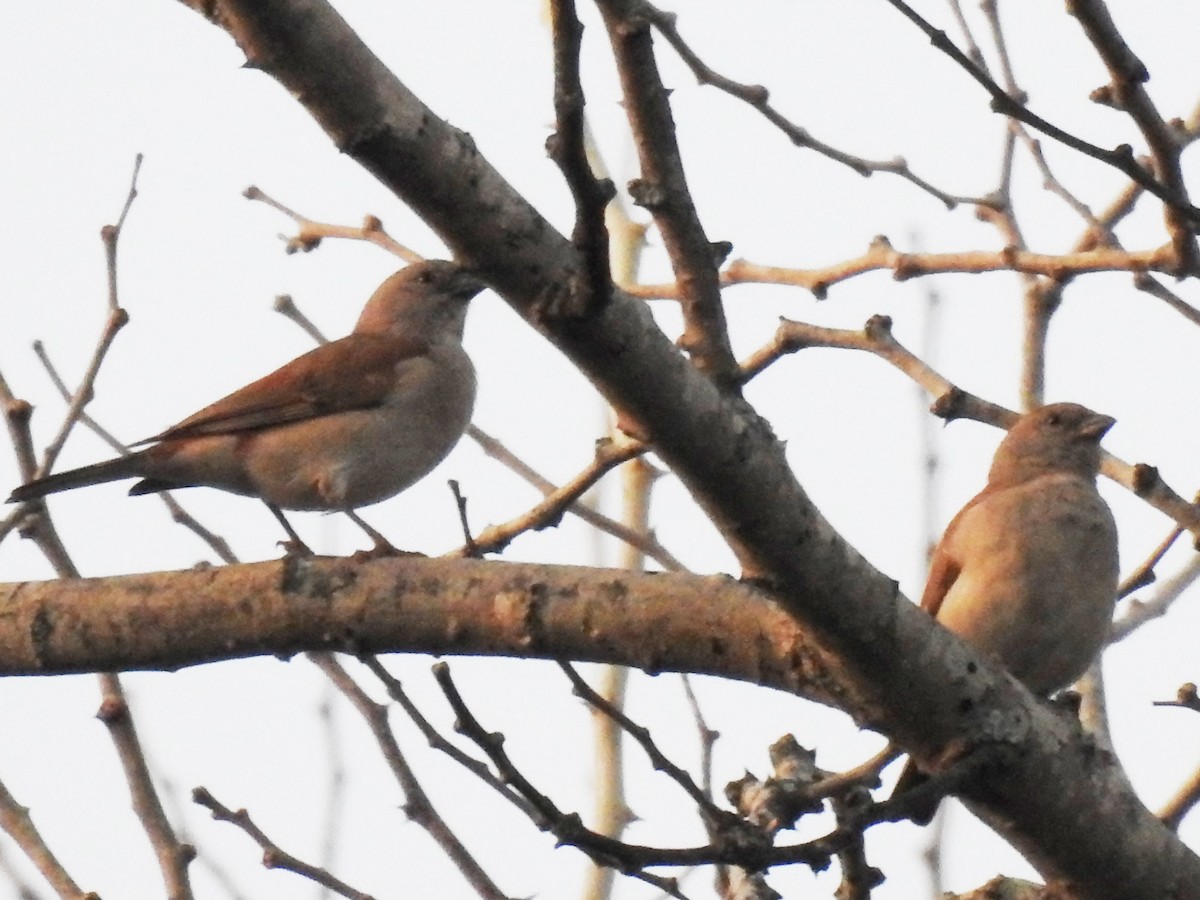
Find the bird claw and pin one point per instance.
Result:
(1067, 702)
(384, 550)
(295, 549)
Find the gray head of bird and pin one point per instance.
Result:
(426, 300)
(1060, 437)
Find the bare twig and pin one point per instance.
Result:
(645, 543)
(951, 402)
(1143, 281)
(609, 455)
(1144, 575)
(881, 255)
(117, 318)
(1126, 91)
(1187, 697)
(758, 97)
(417, 805)
(641, 734)
(438, 742)
(273, 857)
(15, 820)
(662, 189)
(567, 828)
(173, 855)
(310, 233)
(1121, 158)
(470, 549)
(181, 516)
(1139, 612)
(1184, 801)
(567, 147)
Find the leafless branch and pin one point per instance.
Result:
(881, 255)
(758, 97)
(567, 147)
(662, 189)
(1126, 91)
(417, 805)
(1121, 158)
(310, 233)
(17, 824)
(273, 856)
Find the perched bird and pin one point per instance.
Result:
(1027, 570)
(353, 422)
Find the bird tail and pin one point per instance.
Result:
(98, 473)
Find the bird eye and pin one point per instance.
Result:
(425, 277)
(1054, 419)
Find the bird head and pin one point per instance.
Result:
(425, 300)
(1061, 437)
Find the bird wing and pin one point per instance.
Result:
(945, 564)
(355, 372)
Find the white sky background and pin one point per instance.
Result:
(84, 86)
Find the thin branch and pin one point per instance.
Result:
(1139, 612)
(951, 402)
(1121, 158)
(758, 97)
(1144, 574)
(273, 856)
(1127, 91)
(663, 190)
(117, 318)
(435, 738)
(548, 513)
(173, 855)
(881, 255)
(567, 147)
(1187, 697)
(417, 805)
(641, 734)
(1185, 800)
(567, 828)
(179, 515)
(111, 235)
(1146, 283)
(310, 233)
(645, 543)
(15, 820)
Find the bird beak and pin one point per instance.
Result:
(1096, 427)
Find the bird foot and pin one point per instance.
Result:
(295, 549)
(1067, 703)
(383, 550)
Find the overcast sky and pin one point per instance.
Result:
(87, 86)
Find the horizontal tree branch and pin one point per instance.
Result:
(169, 620)
(882, 256)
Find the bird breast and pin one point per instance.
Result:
(1037, 578)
